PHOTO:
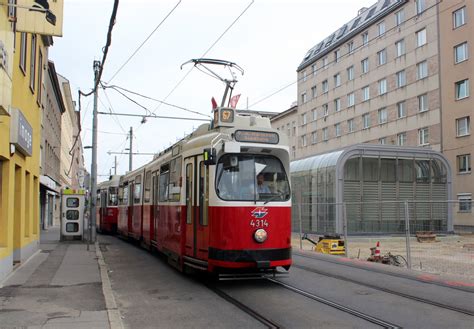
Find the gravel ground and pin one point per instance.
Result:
(451, 255)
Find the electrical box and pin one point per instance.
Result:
(72, 213)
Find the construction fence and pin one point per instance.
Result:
(418, 231)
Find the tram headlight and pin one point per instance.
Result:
(260, 235)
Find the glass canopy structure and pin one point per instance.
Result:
(369, 185)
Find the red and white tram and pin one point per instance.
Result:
(219, 200)
(107, 209)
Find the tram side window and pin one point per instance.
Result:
(125, 195)
(137, 191)
(174, 181)
(164, 179)
(147, 187)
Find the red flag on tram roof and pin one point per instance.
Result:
(234, 100)
(214, 103)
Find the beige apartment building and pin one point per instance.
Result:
(391, 76)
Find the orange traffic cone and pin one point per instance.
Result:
(377, 250)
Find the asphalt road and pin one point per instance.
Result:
(150, 293)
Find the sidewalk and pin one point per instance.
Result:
(59, 287)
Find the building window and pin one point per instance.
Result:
(293, 152)
(350, 125)
(337, 128)
(23, 50)
(464, 163)
(365, 93)
(288, 129)
(420, 6)
(399, 17)
(303, 98)
(314, 114)
(459, 17)
(460, 53)
(383, 141)
(303, 119)
(337, 104)
(423, 103)
(401, 79)
(383, 115)
(350, 99)
(421, 70)
(314, 137)
(365, 65)
(350, 47)
(382, 57)
(350, 73)
(325, 134)
(325, 86)
(303, 140)
(421, 38)
(462, 89)
(382, 86)
(465, 202)
(402, 139)
(381, 28)
(365, 38)
(366, 120)
(33, 62)
(313, 69)
(423, 136)
(337, 80)
(40, 77)
(401, 112)
(313, 92)
(304, 76)
(325, 62)
(293, 124)
(325, 110)
(463, 127)
(337, 55)
(400, 46)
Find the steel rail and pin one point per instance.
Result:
(390, 291)
(340, 307)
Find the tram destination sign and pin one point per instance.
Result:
(252, 136)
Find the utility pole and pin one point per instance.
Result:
(115, 166)
(130, 150)
(92, 214)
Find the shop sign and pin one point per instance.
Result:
(21, 133)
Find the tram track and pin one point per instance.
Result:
(358, 314)
(390, 291)
(253, 313)
(381, 271)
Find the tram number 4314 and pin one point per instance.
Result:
(259, 223)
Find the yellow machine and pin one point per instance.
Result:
(328, 244)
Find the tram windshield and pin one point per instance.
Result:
(113, 196)
(251, 178)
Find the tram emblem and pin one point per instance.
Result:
(259, 212)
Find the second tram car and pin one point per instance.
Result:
(219, 200)
(107, 205)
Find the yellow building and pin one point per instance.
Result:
(21, 83)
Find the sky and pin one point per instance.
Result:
(266, 38)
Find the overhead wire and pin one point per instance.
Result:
(346, 54)
(144, 41)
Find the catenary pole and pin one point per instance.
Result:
(130, 154)
(115, 166)
(92, 215)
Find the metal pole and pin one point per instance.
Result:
(407, 232)
(115, 166)
(344, 219)
(92, 215)
(301, 225)
(130, 154)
